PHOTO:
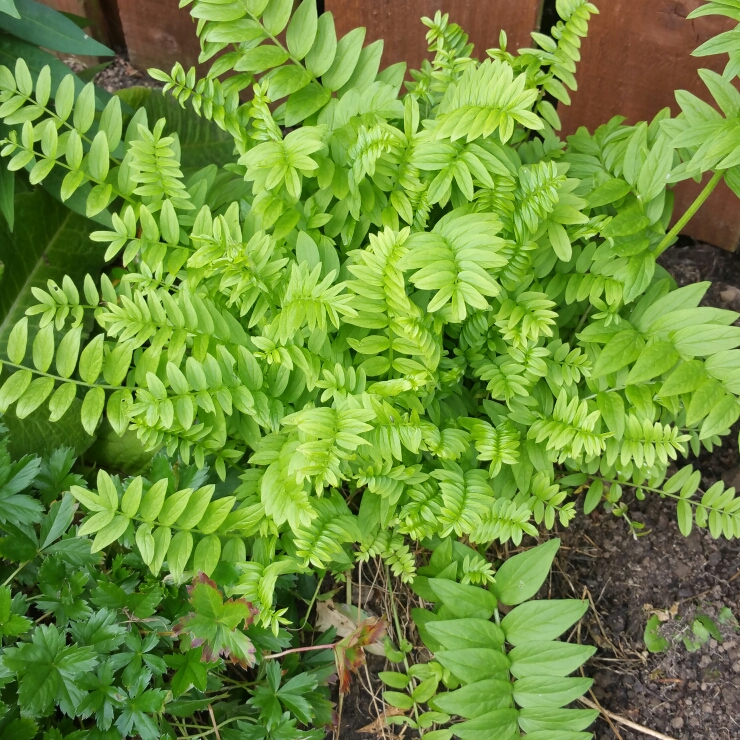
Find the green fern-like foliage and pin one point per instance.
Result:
(393, 316)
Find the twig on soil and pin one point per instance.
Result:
(605, 714)
(737, 575)
(378, 712)
(593, 696)
(623, 721)
(595, 611)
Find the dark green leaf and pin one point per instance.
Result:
(50, 29)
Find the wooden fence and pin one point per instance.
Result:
(637, 53)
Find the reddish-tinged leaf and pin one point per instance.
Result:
(215, 624)
(349, 652)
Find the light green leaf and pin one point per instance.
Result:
(463, 600)
(43, 348)
(456, 634)
(475, 699)
(394, 679)
(544, 692)
(91, 359)
(62, 399)
(532, 719)
(622, 349)
(305, 102)
(276, 15)
(560, 241)
(555, 659)
(153, 500)
(685, 517)
(302, 29)
(609, 192)
(178, 553)
(261, 58)
(521, 576)
(8, 6)
(474, 664)
(36, 393)
(345, 61)
(321, 56)
(17, 342)
(654, 360)
(542, 620)
(110, 533)
(132, 497)
(92, 409)
(500, 724)
(207, 554)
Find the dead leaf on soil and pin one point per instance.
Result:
(664, 615)
(328, 615)
(378, 725)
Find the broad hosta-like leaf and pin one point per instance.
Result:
(41, 249)
(47, 27)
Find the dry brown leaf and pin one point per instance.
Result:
(329, 616)
(377, 726)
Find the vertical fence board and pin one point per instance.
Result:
(398, 23)
(635, 56)
(158, 33)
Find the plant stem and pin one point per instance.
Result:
(65, 380)
(312, 602)
(583, 318)
(213, 720)
(15, 573)
(660, 492)
(397, 624)
(690, 211)
(300, 650)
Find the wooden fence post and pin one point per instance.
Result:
(635, 56)
(398, 23)
(103, 17)
(158, 33)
